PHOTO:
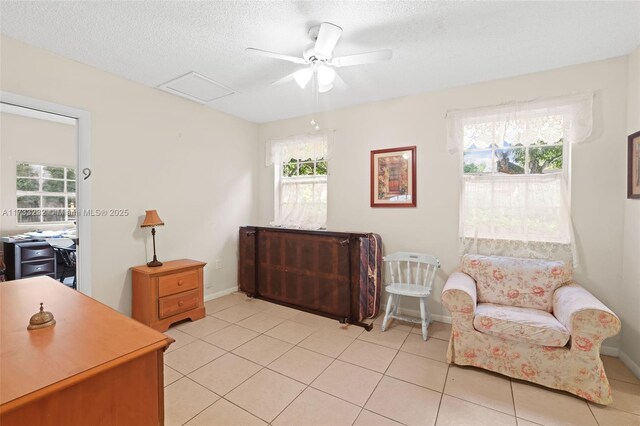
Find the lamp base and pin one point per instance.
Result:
(154, 263)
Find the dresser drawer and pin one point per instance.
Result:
(33, 269)
(172, 305)
(177, 283)
(36, 252)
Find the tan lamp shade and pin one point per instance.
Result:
(151, 219)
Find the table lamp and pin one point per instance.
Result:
(152, 220)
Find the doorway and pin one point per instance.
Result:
(43, 193)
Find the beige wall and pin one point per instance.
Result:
(597, 170)
(149, 150)
(631, 269)
(32, 140)
(199, 168)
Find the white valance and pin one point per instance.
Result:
(314, 146)
(523, 123)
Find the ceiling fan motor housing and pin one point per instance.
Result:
(309, 53)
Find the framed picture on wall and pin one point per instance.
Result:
(633, 179)
(393, 177)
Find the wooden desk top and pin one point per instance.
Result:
(168, 266)
(88, 338)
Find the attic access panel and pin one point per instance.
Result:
(196, 87)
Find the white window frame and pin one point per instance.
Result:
(40, 193)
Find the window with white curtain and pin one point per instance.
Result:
(515, 175)
(300, 190)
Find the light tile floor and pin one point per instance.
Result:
(252, 362)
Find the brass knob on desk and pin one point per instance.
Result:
(180, 303)
(180, 282)
(41, 319)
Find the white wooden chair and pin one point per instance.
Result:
(412, 274)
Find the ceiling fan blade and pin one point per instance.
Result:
(362, 58)
(302, 77)
(274, 55)
(328, 37)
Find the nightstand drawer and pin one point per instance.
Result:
(177, 283)
(172, 305)
(38, 251)
(38, 268)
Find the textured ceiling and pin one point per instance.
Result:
(435, 44)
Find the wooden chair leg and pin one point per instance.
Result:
(423, 315)
(387, 312)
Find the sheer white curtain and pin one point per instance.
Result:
(301, 201)
(516, 215)
(521, 215)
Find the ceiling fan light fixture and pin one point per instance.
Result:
(326, 75)
(303, 76)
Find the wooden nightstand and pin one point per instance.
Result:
(169, 293)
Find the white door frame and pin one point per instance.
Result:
(84, 186)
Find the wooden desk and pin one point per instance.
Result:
(94, 366)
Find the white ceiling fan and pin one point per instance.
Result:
(319, 56)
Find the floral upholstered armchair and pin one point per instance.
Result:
(527, 319)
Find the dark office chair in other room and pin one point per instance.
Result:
(68, 257)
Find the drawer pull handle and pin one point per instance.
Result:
(180, 282)
(180, 303)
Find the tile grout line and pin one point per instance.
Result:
(198, 413)
(513, 399)
(594, 416)
(483, 406)
(442, 396)
(384, 374)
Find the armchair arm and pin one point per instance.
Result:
(460, 298)
(588, 320)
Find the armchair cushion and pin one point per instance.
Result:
(520, 324)
(525, 283)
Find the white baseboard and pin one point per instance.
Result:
(631, 365)
(610, 351)
(220, 293)
(415, 313)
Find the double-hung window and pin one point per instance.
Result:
(45, 194)
(515, 175)
(300, 180)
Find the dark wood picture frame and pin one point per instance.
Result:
(633, 172)
(393, 177)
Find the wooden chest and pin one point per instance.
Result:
(335, 274)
